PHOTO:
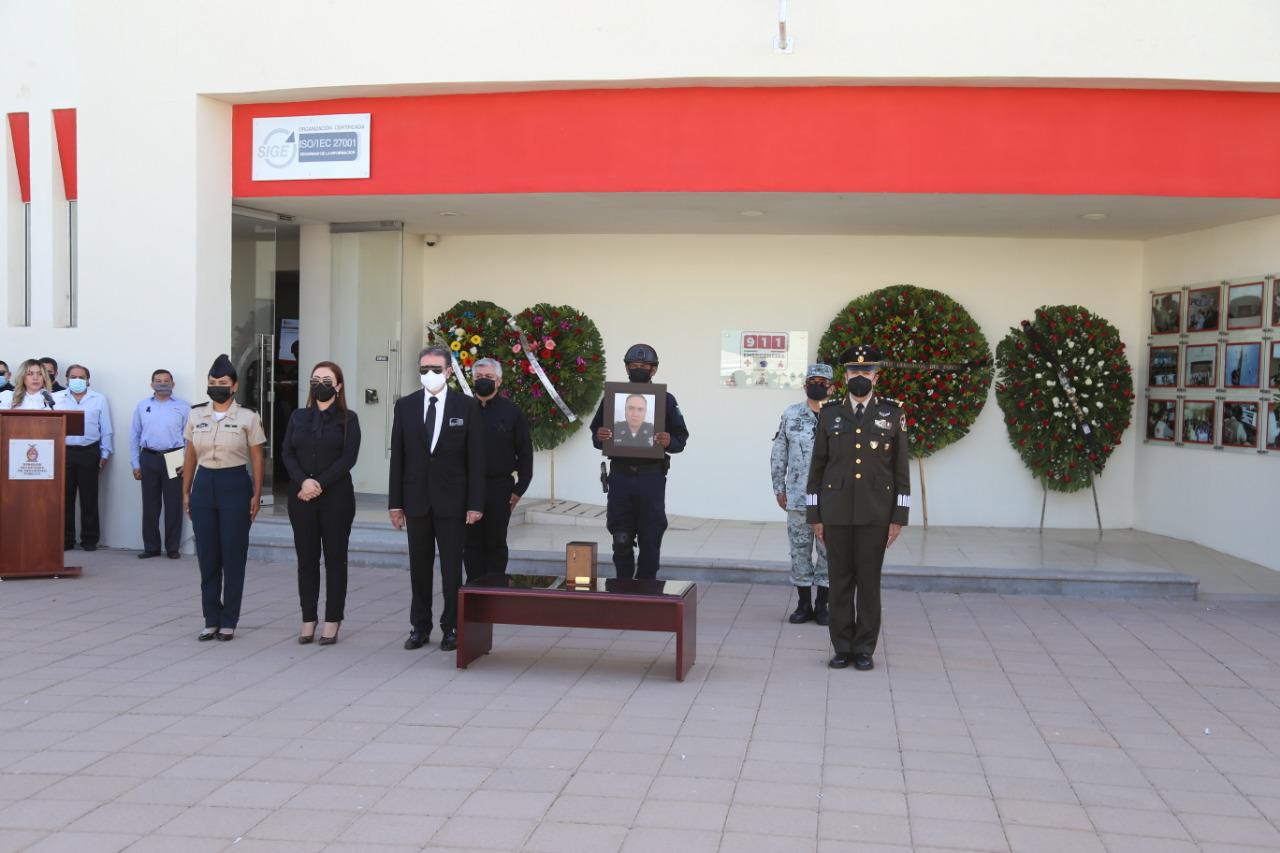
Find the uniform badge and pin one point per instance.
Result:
(883, 424)
(455, 421)
(874, 445)
(902, 422)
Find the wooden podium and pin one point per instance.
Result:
(33, 451)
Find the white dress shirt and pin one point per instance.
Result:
(97, 419)
(426, 405)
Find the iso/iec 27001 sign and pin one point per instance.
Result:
(296, 148)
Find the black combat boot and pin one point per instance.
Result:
(804, 610)
(820, 608)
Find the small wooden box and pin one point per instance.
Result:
(580, 565)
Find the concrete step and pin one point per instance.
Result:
(379, 544)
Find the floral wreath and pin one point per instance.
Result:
(472, 330)
(1066, 390)
(937, 361)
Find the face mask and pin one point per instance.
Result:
(322, 392)
(639, 374)
(485, 387)
(432, 381)
(77, 386)
(219, 393)
(860, 386)
(816, 392)
(162, 389)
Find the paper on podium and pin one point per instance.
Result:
(173, 461)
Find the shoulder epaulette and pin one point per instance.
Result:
(835, 401)
(200, 405)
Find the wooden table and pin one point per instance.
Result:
(627, 605)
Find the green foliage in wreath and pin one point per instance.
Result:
(1066, 390)
(571, 352)
(938, 363)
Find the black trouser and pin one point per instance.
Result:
(637, 510)
(220, 499)
(323, 524)
(855, 555)
(486, 548)
(427, 533)
(157, 488)
(83, 465)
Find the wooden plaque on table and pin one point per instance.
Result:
(33, 509)
(580, 565)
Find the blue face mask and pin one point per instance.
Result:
(77, 386)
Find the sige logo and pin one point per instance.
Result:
(278, 148)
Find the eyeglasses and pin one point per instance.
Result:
(430, 368)
(328, 380)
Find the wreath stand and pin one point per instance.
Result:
(1097, 513)
(924, 495)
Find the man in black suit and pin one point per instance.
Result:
(436, 488)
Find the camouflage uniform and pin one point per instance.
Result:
(792, 450)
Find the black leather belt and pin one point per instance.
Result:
(636, 467)
(159, 452)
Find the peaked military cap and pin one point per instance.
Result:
(861, 355)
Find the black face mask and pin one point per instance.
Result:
(816, 392)
(639, 374)
(219, 393)
(860, 386)
(485, 387)
(322, 392)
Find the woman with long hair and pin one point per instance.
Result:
(30, 384)
(321, 444)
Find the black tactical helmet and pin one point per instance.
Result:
(642, 353)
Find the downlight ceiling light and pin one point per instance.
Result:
(1093, 217)
(752, 213)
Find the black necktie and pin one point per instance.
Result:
(858, 411)
(430, 423)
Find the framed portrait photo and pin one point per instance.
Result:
(1271, 430)
(1240, 424)
(1275, 303)
(1162, 371)
(1162, 420)
(1273, 366)
(1166, 312)
(1244, 305)
(1204, 308)
(1199, 418)
(635, 412)
(1202, 366)
(1241, 365)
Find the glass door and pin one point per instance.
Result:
(253, 315)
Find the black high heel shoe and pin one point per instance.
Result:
(329, 641)
(304, 639)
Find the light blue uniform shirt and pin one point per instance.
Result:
(97, 418)
(157, 425)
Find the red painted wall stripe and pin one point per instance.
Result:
(64, 128)
(815, 139)
(20, 133)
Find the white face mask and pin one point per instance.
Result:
(432, 381)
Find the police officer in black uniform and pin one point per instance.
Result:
(636, 508)
(858, 499)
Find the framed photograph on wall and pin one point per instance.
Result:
(1199, 417)
(1163, 367)
(1275, 303)
(1202, 366)
(1272, 431)
(1241, 364)
(1204, 308)
(1166, 312)
(1240, 423)
(1162, 420)
(633, 414)
(1244, 305)
(1273, 366)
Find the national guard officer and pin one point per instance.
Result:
(220, 496)
(859, 496)
(636, 508)
(789, 461)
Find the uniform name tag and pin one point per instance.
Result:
(455, 421)
(231, 426)
(883, 424)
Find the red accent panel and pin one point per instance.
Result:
(64, 127)
(20, 132)
(818, 139)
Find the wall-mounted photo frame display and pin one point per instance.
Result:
(1241, 365)
(1201, 362)
(1275, 303)
(1162, 420)
(1204, 309)
(1244, 305)
(1166, 312)
(1271, 433)
(1199, 418)
(1273, 366)
(1162, 367)
(1240, 424)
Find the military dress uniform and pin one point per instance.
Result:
(789, 465)
(221, 491)
(859, 483)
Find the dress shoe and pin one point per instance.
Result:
(226, 636)
(820, 614)
(207, 634)
(305, 638)
(804, 609)
(147, 555)
(417, 640)
(89, 547)
(330, 640)
(450, 641)
(840, 661)
(863, 662)
(173, 555)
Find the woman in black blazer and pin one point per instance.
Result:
(321, 444)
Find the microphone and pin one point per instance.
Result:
(48, 398)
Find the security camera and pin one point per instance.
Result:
(430, 239)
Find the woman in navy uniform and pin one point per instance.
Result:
(220, 496)
(321, 444)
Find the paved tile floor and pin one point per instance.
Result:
(991, 723)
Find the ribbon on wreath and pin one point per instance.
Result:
(540, 373)
(434, 331)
